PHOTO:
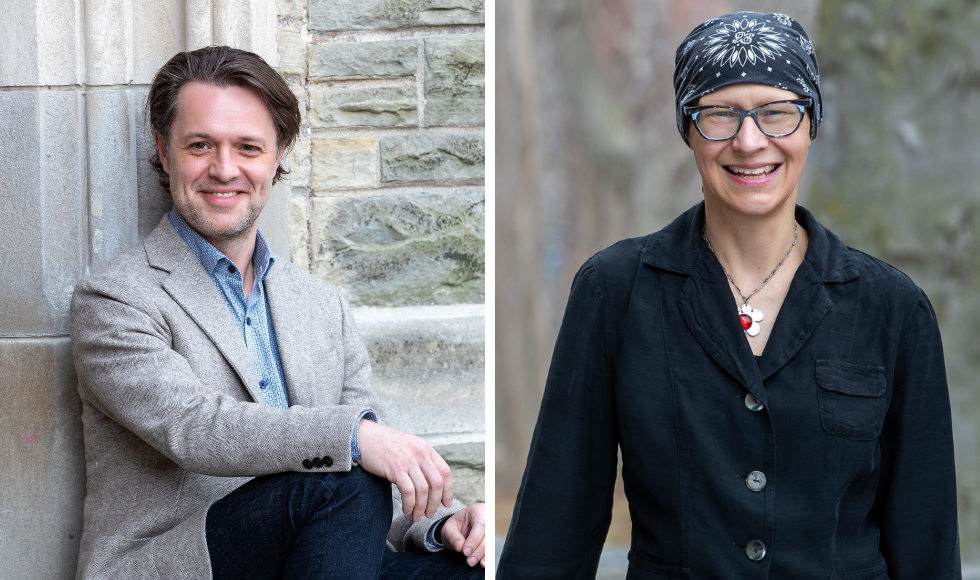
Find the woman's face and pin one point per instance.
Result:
(750, 174)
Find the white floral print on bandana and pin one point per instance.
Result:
(742, 41)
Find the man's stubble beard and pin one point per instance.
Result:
(211, 232)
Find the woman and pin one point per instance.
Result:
(779, 399)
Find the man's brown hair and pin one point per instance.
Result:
(221, 66)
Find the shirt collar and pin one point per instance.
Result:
(211, 257)
(679, 246)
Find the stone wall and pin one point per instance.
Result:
(388, 198)
(76, 189)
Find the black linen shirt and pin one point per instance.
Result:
(853, 437)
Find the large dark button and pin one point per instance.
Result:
(327, 462)
(756, 481)
(755, 550)
(308, 463)
(753, 403)
(231, 269)
(317, 462)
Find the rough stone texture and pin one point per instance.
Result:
(344, 163)
(289, 8)
(299, 233)
(383, 58)
(394, 250)
(42, 208)
(299, 163)
(114, 218)
(420, 158)
(42, 483)
(454, 80)
(371, 14)
(290, 52)
(428, 366)
(467, 461)
(304, 105)
(364, 107)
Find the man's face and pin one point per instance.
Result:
(221, 159)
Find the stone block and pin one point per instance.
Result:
(42, 484)
(109, 42)
(152, 199)
(59, 41)
(428, 367)
(299, 233)
(299, 163)
(344, 163)
(112, 146)
(290, 52)
(304, 105)
(390, 58)
(43, 207)
(454, 80)
(34, 54)
(289, 8)
(160, 30)
(364, 107)
(419, 158)
(400, 250)
(468, 464)
(371, 14)
(275, 217)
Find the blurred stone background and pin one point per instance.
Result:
(587, 154)
(385, 198)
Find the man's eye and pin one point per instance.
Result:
(199, 146)
(250, 148)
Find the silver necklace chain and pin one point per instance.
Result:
(745, 299)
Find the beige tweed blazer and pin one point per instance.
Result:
(172, 411)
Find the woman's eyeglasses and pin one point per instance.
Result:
(776, 119)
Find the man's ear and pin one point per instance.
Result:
(162, 151)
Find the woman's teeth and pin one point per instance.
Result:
(758, 171)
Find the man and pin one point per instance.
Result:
(203, 362)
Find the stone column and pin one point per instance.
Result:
(76, 190)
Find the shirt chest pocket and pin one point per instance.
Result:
(852, 399)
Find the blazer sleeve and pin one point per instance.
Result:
(916, 499)
(405, 533)
(129, 371)
(564, 506)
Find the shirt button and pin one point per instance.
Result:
(753, 403)
(262, 384)
(755, 550)
(231, 269)
(756, 481)
(248, 321)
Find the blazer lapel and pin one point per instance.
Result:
(289, 319)
(191, 287)
(711, 315)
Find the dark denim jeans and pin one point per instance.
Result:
(306, 526)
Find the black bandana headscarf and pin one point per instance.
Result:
(747, 47)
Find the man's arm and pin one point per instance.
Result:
(129, 370)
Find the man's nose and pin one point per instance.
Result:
(223, 167)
